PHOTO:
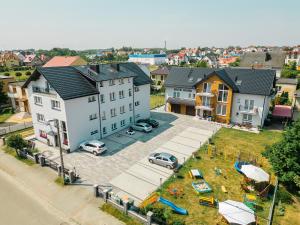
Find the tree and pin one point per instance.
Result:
(201, 64)
(16, 142)
(3, 96)
(284, 156)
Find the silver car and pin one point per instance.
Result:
(164, 159)
(96, 147)
(144, 127)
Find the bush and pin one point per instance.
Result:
(28, 73)
(18, 74)
(17, 142)
(284, 196)
(6, 74)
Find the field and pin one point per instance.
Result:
(229, 143)
(156, 100)
(5, 114)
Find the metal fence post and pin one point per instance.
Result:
(149, 217)
(42, 160)
(105, 195)
(126, 206)
(96, 191)
(59, 170)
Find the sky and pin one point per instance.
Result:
(91, 24)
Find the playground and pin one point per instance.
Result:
(210, 177)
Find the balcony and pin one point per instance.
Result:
(41, 90)
(206, 94)
(12, 95)
(204, 107)
(247, 110)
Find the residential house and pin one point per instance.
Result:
(9, 59)
(65, 61)
(159, 76)
(18, 97)
(238, 96)
(293, 56)
(211, 60)
(90, 102)
(225, 61)
(32, 60)
(6, 80)
(287, 85)
(264, 60)
(150, 59)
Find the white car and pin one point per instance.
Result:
(130, 131)
(96, 147)
(142, 127)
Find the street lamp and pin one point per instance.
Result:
(56, 124)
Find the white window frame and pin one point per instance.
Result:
(38, 100)
(207, 87)
(55, 104)
(40, 117)
(223, 108)
(93, 116)
(92, 98)
(223, 93)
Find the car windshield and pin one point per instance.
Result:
(103, 145)
(173, 158)
(147, 125)
(156, 154)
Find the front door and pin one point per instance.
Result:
(190, 110)
(206, 114)
(175, 108)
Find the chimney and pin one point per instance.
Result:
(116, 66)
(236, 78)
(95, 68)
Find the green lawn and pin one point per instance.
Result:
(229, 143)
(23, 77)
(156, 100)
(5, 114)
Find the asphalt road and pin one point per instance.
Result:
(18, 207)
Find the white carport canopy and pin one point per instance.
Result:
(236, 212)
(255, 173)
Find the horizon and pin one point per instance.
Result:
(79, 26)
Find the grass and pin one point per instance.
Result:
(229, 143)
(156, 100)
(5, 114)
(153, 67)
(60, 181)
(13, 153)
(119, 215)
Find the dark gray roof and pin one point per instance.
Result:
(258, 59)
(189, 102)
(245, 81)
(161, 71)
(109, 72)
(287, 81)
(66, 81)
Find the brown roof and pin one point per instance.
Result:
(61, 61)
(160, 71)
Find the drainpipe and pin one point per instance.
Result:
(133, 105)
(263, 112)
(98, 96)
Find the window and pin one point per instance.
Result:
(129, 92)
(92, 98)
(153, 77)
(137, 103)
(247, 118)
(194, 95)
(161, 77)
(113, 112)
(43, 134)
(190, 95)
(137, 115)
(122, 109)
(104, 130)
(121, 94)
(136, 89)
(103, 115)
(223, 93)
(94, 132)
(176, 94)
(55, 104)
(249, 104)
(114, 126)
(130, 119)
(102, 98)
(207, 87)
(93, 116)
(122, 123)
(111, 82)
(121, 81)
(40, 117)
(112, 96)
(38, 100)
(221, 110)
(206, 101)
(130, 106)
(101, 83)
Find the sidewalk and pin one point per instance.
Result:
(72, 204)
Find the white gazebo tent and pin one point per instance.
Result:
(255, 173)
(236, 212)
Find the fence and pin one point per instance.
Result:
(272, 207)
(15, 127)
(125, 206)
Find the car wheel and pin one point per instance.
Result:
(95, 153)
(169, 167)
(150, 160)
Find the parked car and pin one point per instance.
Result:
(96, 147)
(164, 159)
(130, 131)
(151, 122)
(144, 127)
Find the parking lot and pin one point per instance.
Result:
(125, 165)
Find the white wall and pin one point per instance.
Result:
(184, 93)
(142, 111)
(261, 102)
(147, 60)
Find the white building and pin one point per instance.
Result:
(89, 102)
(149, 59)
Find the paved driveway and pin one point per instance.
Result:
(125, 164)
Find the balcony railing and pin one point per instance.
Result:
(207, 94)
(248, 110)
(40, 90)
(204, 107)
(12, 95)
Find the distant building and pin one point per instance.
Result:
(287, 85)
(6, 80)
(65, 61)
(150, 59)
(9, 59)
(32, 60)
(225, 61)
(18, 96)
(159, 76)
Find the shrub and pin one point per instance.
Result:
(18, 74)
(17, 142)
(28, 73)
(6, 74)
(284, 196)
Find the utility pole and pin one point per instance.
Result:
(60, 149)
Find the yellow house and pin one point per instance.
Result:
(287, 85)
(214, 97)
